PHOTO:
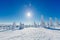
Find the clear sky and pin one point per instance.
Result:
(16, 10)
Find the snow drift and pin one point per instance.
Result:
(31, 34)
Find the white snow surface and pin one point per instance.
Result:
(30, 34)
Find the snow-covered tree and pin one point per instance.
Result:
(47, 24)
(13, 26)
(21, 26)
(50, 21)
(56, 22)
(42, 21)
(35, 25)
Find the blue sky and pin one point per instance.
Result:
(15, 10)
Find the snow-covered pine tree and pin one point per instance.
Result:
(47, 24)
(56, 22)
(21, 26)
(35, 25)
(50, 22)
(13, 26)
(42, 21)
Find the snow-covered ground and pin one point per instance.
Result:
(30, 34)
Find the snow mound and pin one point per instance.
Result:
(31, 34)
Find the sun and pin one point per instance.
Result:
(29, 14)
